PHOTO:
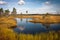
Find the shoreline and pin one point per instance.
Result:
(7, 22)
(49, 19)
(44, 22)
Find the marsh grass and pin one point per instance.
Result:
(9, 34)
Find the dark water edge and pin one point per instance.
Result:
(33, 28)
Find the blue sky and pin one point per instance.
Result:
(33, 6)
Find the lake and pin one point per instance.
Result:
(24, 26)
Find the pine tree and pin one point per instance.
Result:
(1, 11)
(14, 11)
(7, 12)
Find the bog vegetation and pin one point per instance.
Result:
(9, 34)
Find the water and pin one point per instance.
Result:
(24, 26)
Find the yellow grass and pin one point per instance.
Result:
(7, 22)
(47, 19)
(8, 34)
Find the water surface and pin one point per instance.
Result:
(24, 26)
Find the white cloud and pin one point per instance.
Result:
(21, 2)
(3, 2)
(21, 28)
(47, 3)
(46, 7)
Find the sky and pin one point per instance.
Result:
(32, 6)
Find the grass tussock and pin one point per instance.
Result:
(8, 34)
(7, 22)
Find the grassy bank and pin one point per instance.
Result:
(7, 22)
(8, 34)
(47, 19)
(42, 18)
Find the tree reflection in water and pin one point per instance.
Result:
(46, 25)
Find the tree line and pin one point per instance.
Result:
(7, 12)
